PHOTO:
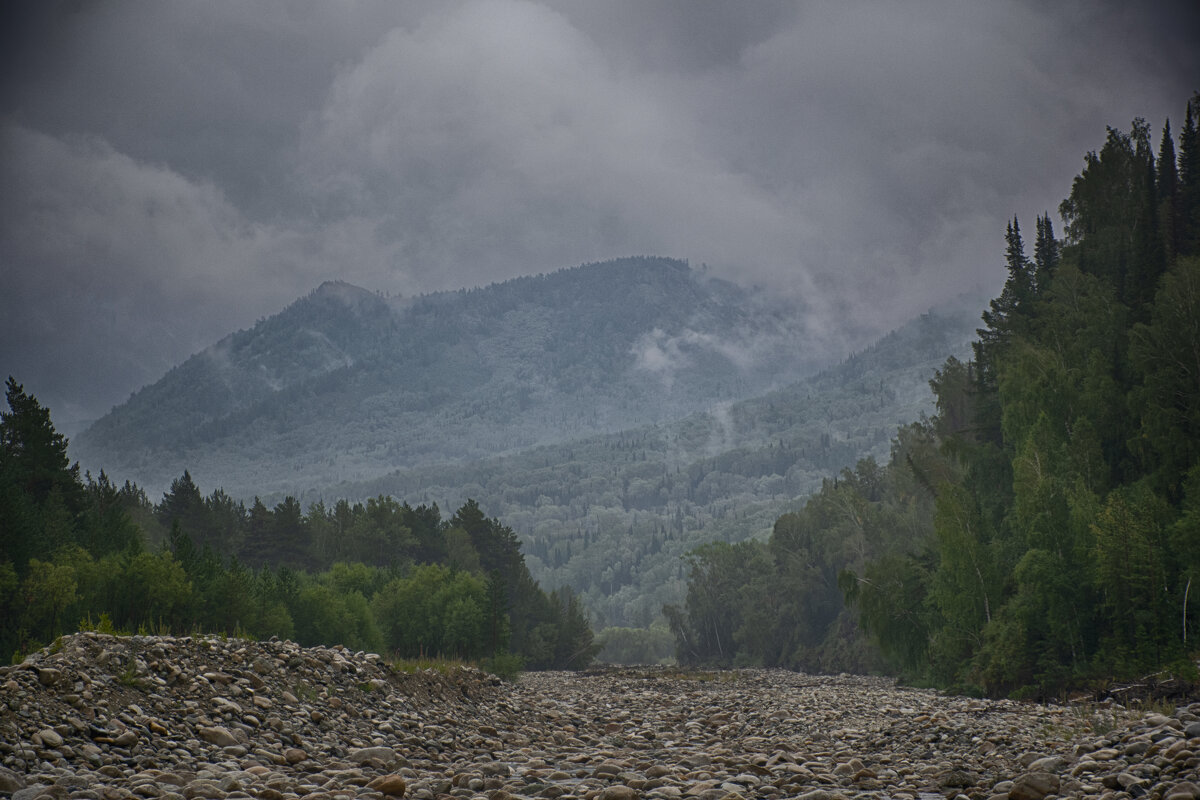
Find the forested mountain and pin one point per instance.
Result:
(345, 385)
(613, 515)
(1042, 531)
(600, 411)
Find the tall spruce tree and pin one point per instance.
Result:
(1106, 214)
(182, 503)
(1146, 259)
(1168, 195)
(1046, 253)
(32, 453)
(1187, 223)
(1003, 317)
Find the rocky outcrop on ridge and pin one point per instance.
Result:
(101, 717)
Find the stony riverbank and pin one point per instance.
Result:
(108, 718)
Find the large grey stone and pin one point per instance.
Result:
(385, 754)
(218, 735)
(1033, 786)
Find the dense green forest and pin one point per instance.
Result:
(347, 385)
(613, 516)
(440, 398)
(1042, 530)
(381, 576)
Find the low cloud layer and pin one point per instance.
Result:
(175, 171)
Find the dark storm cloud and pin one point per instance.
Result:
(173, 171)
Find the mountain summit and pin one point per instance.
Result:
(345, 384)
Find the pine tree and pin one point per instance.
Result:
(1168, 195)
(1187, 223)
(1146, 259)
(1004, 315)
(1107, 211)
(259, 545)
(1046, 253)
(33, 454)
(182, 503)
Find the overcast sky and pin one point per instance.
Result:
(171, 172)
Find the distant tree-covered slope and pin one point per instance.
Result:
(1041, 533)
(346, 385)
(613, 515)
(381, 576)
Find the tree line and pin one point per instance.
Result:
(380, 575)
(613, 516)
(1042, 530)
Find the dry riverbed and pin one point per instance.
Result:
(127, 718)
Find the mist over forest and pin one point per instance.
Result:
(817, 336)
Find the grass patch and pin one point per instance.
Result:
(442, 666)
(102, 625)
(304, 692)
(505, 666)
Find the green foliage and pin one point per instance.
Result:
(505, 666)
(433, 611)
(613, 516)
(1040, 533)
(410, 665)
(47, 591)
(1078, 567)
(102, 625)
(1166, 352)
(325, 616)
(892, 599)
(80, 552)
(412, 399)
(653, 645)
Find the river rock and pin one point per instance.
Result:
(225, 719)
(1184, 790)
(393, 785)
(384, 754)
(219, 736)
(1033, 786)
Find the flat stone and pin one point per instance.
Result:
(218, 735)
(49, 676)
(10, 781)
(50, 737)
(1184, 790)
(391, 785)
(1034, 786)
(30, 792)
(385, 754)
(1048, 764)
(619, 792)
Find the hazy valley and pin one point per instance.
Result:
(616, 415)
(345, 385)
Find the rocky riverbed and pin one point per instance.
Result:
(100, 717)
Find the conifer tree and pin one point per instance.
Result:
(1146, 259)
(32, 453)
(182, 503)
(1003, 316)
(1107, 212)
(1046, 253)
(1187, 223)
(1167, 181)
